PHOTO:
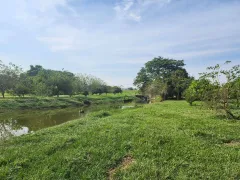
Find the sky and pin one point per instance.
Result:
(113, 39)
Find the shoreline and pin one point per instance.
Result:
(38, 103)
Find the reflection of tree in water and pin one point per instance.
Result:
(43, 119)
(15, 123)
(10, 127)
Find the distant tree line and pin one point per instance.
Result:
(46, 82)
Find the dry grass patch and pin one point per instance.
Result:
(233, 143)
(125, 164)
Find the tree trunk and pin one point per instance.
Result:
(178, 96)
(3, 94)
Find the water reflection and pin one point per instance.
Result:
(22, 122)
(10, 127)
(16, 123)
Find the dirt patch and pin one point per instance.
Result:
(125, 163)
(233, 143)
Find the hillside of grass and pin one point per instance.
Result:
(33, 102)
(169, 140)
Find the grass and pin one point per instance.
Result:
(33, 102)
(169, 140)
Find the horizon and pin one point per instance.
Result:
(113, 39)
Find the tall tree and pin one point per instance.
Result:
(24, 85)
(142, 80)
(163, 67)
(168, 73)
(61, 82)
(34, 70)
(8, 77)
(179, 82)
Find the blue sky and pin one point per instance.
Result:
(112, 39)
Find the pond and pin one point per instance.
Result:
(19, 122)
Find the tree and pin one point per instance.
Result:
(81, 84)
(117, 90)
(97, 91)
(218, 95)
(163, 67)
(8, 77)
(95, 85)
(23, 85)
(197, 90)
(130, 88)
(157, 87)
(179, 82)
(85, 93)
(235, 93)
(106, 89)
(168, 73)
(142, 80)
(34, 70)
(61, 82)
(49, 82)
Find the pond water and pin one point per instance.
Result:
(19, 122)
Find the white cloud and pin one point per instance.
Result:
(124, 10)
(128, 4)
(33, 15)
(135, 17)
(133, 9)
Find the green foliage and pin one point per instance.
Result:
(219, 95)
(85, 93)
(46, 82)
(91, 84)
(179, 82)
(117, 90)
(162, 76)
(197, 90)
(23, 85)
(215, 93)
(235, 92)
(142, 79)
(34, 70)
(156, 87)
(8, 77)
(163, 67)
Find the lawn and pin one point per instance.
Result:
(169, 140)
(35, 102)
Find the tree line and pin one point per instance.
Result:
(46, 82)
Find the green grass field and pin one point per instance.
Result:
(169, 140)
(33, 102)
